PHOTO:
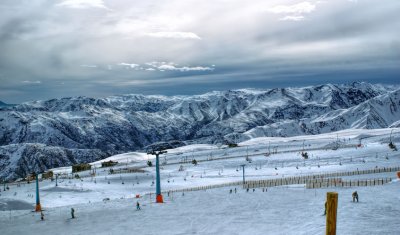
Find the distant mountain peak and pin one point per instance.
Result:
(82, 128)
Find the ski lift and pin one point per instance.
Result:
(392, 146)
(304, 155)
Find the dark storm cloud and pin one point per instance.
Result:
(98, 48)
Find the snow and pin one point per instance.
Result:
(85, 129)
(291, 209)
(125, 157)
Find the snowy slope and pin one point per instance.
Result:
(124, 123)
(290, 209)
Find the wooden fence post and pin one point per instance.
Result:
(331, 212)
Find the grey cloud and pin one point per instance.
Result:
(352, 20)
(41, 41)
(13, 28)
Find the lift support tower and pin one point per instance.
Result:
(159, 197)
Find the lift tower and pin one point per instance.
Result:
(159, 197)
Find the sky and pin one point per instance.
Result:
(62, 48)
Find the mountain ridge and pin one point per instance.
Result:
(117, 124)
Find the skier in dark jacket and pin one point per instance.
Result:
(72, 213)
(355, 196)
(137, 206)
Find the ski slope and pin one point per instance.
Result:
(291, 209)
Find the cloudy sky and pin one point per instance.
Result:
(58, 48)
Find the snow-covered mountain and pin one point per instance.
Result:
(17, 160)
(100, 127)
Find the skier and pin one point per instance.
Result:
(247, 190)
(72, 213)
(235, 190)
(230, 191)
(41, 216)
(325, 208)
(355, 196)
(137, 206)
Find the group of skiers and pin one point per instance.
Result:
(73, 211)
(247, 190)
(72, 214)
(355, 198)
(354, 195)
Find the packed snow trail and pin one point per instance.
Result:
(280, 210)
